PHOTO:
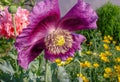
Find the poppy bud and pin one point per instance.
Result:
(12, 9)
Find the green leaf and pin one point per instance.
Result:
(62, 75)
(6, 67)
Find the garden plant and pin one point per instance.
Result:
(38, 45)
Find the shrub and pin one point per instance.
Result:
(109, 20)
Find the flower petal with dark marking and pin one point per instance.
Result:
(27, 55)
(42, 19)
(81, 16)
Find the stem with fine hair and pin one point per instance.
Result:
(46, 70)
(15, 33)
(14, 25)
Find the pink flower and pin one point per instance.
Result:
(6, 24)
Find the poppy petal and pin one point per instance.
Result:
(28, 54)
(80, 17)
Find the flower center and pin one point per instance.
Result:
(59, 41)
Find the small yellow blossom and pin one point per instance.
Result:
(96, 65)
(118, 78)
(108, 53)
(105, 37)
(83, 77)
(90, 43)
(114, 42)
(106, 75)
(108, 70)
(110, 37)
(85, 64)
(105, 59)
(118, 48)
(117, 69)
(89, 52)
(62, 63)
(59, 64)
(69, 59)
(88, 64)
(106, 46)
(102, 54)
(57, 60)
(106, 41)
(117, 59)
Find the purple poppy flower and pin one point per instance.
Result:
(55, 35)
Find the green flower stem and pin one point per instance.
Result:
(46, 70)
(80, 66)
(80, 70)
(14, 25)
(15, 32)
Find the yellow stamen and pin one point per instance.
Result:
(60, 41)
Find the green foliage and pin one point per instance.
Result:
(93, 36)
(5, 46)
(5, 2)
(109, 20)
(21, 3)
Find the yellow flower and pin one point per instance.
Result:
(117, 69)
(69, 59)
(118, 48)
(83, 77)
(102, 54)
(85, 64)
(105, 37)
(108, 70)
(110, 37)
(106, 46)
(88, 64)
(82, 65)
(118, 78)
(58, 61)
(96, 65)
(80, 75)
(117, 59)
(106, 75)
(106, 41)
(61, 63)
(88, 52)
(105, 59)
(108, 53)
(91, 43)
(114, 42)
